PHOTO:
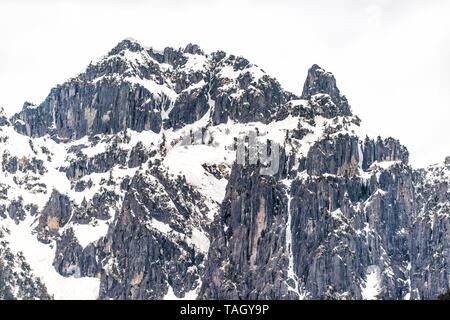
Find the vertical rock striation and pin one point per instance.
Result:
(127, 175)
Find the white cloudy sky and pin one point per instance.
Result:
(390, 57)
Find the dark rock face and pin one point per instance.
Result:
(135, 260)
(252, 97)
(320, 86)
(138, 261)
(445, 296)
(342, 225)
(16, 210)
(73, 260)
(16, 279)
(103, 162)
(55, 215)
(344, 217)
(320, 81)
(112, 107)
(3, 120)
(188, 108)
(387, 150)
(340, 241)
(146, 263)
(134, 87)
(339, 156)
(247, 255)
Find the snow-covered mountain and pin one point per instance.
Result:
(124, 184)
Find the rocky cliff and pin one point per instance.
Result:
(126, 183)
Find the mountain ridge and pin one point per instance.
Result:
(126, 179)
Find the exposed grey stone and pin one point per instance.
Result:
(352, 205)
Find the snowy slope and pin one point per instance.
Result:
(142, 145)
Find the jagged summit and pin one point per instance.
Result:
(320, 81)
(138, 88)
(126, 201)
(169, 55)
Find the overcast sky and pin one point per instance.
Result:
(391, 58)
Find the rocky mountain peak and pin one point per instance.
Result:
(320, 87)
(320, 81)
